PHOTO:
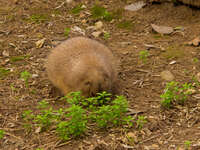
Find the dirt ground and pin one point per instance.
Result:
(140, 82)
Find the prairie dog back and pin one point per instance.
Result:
(81, 64)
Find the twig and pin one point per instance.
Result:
(13, 136)
(62, 144)
(151, 138)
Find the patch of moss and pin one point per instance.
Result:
(173, 52)
(125, 24)
(77, 9)
(18, 58)
(38, 18)
(99, 12)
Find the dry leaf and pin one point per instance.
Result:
(162, 29)
(40, 43)
(195, 41)
(135, 6)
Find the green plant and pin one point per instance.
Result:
(187, 144)
(25, 75)
(174, 92)
(4, 72)
(73, 121)
(43, 104)
(195, 81)
(67, 31)
(75, 126)
(45, 119)
(77, 9)
(18, 58)
(114, 114)
(12, 87)
(125, 24)
(106, 35)
(27, 115)
(38, 18)
(195, 60)
(143, 55)
(141, 121)
(38, 149)
(1, 133)
(99, 12)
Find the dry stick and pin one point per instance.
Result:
(13, 136)
(151, 138)
(7, 129)
(1, 116)
(62, 144)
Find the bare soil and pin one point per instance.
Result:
(139, 82)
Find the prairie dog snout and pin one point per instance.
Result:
(81, 64)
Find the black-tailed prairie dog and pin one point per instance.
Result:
(81, 64)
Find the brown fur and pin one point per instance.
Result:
(81, 64)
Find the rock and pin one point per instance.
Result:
(167, 75)
(5, 53)
(79, 30)
(162, 29)
(98, 25)
(35, 75)
(96, 34)
(135, 6)
(172, 62)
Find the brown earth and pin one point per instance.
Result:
(139, 82)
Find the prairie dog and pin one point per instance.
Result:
(81, 64)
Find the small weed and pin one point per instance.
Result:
(25, 75)
(38, 18)
(67, 31)
(77, 9)
(4, 72)
(195, 60)
(141, 121)
(44, 119)
(27, 115)
(174, 92)
(187, 144)
(43, 104)
(108, 115)
(99, 12)
(125, 24)
(18, 58)
(143, 55)
(73, 122)
(106, 35)
(75, 126)
(195, 81)
(39, 149)
(1, 133)
(12, 87)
